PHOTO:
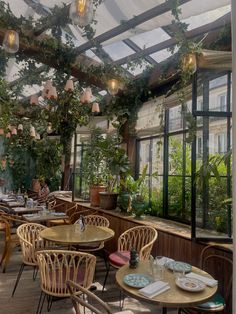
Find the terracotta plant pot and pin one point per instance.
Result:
(94, 194)
(108, 200)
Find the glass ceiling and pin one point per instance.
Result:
(112, 13)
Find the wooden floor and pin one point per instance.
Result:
(27, 294)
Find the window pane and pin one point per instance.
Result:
(218, 94)
(157, 156)
(175, 119)
(157, 196)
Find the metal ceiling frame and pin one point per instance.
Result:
(219, 23)
(131, 23)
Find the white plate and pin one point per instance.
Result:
(137, 280)
(190, 284)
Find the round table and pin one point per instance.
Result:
(174, 297)
(71, 234)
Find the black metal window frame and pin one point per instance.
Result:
(206, 114)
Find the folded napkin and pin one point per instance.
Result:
(154, 289)
(208, 281)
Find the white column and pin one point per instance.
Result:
(233, 29)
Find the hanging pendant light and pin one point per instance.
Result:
(47, 86)
(20, 128)
(52, 94)
(113, 86)
(189, 63)
(34, 100)
(13, 131)
(11, 41)
(32, 131)
(95, 108)
(69, 87)
(4, 163)
(37, 136)
(81, 12)
(86, 96)
(49, 128)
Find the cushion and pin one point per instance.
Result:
(58, 278)
(216, 301)
(119, 258)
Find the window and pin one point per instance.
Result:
(222, 101)
(174, 191)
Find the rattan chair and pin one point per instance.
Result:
(10, 241)
(81, 296)
(140, 238)
(70, 209)
(56, 267)
(30, 242)
(8, 225)
(218, 265)
(94, 220)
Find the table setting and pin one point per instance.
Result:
(166, 282)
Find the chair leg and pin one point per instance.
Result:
(105, 280)
(105, 258)
(50, 300)
(3, 254)
(18, 278)
(35, 273)
(122, 300)
(7, 258)
(41, 302)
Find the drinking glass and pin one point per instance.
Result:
(178, 272)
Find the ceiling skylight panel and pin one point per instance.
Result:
(91, 54)
(161, 55)
(206, 17)
(52, 3)
(18, 7)
(148, 39)
(118, 50)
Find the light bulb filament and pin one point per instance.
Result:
(81, 7)
(11, 38)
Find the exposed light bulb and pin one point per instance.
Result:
(11, 41)
(80, 6)
(81, 12)
(113, 86)
(189, 62)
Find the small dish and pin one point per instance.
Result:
(137, 280)
(178, 266)
(190, 284)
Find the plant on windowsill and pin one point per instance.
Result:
(134, 194)
(94, 167)
(118, 167)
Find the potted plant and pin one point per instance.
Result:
(94, 167)
(118, 166)
(135, 189)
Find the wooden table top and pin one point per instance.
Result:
(71, 234)
(174, 297)
(24, 210)
(42, 216)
